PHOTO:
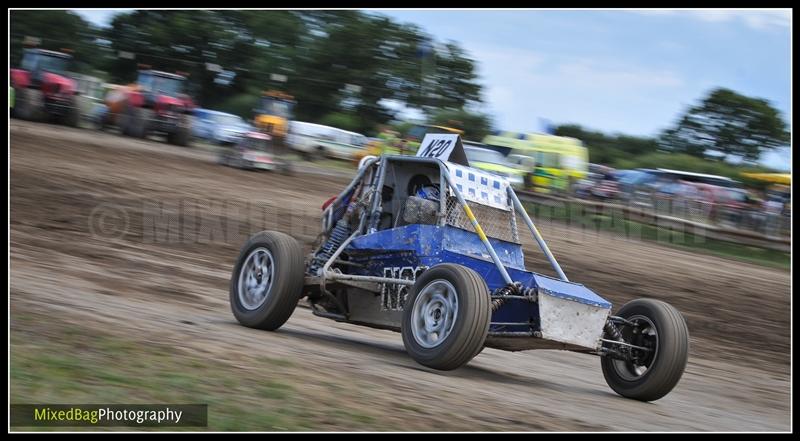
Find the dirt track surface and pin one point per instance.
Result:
(70, 189)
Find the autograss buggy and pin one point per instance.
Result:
(254, 151)
(401, 248)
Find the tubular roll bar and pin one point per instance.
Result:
(374, 218)
(327, 215)
(536, 235)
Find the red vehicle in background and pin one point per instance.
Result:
(42, 89)
(154, 104)
(726, 204)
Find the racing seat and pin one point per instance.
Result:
(417, 210)
(421, 206)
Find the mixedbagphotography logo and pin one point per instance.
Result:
(135, 415)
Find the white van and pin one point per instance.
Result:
(317, 141)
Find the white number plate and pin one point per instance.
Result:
(437, 145)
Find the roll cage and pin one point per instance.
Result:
(369, 182)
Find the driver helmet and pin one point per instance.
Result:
(430, 192)
(421, 187)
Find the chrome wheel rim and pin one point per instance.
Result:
(434, 313)
(632, 371)
(255, 278)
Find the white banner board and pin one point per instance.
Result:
(437, 145)
(446, 147)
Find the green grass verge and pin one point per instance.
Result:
(63, 364)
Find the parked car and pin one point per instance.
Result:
(644, 186)
(97, 115)
(676, 197)
(727, 205)
(495, 163)
(631, 181)
(604, 184)
(316, 141)
(219, 127)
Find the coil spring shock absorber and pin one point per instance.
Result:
(612, 331)
(507, 290)
(338, 235)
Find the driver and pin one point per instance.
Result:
(422, 187)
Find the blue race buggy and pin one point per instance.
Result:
(430, 247)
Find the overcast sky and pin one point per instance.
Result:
(616, 71)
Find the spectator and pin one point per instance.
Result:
(403, 147)
(774, 210)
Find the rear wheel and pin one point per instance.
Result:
(73, 116)
(267, 280)
(180, 136)
(654, 373)
(103, 123)
(28, 104)
(222, 158)
(446, 317)
(140, 122)
(287, 169)
(125, 120)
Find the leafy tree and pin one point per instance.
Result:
(727, 124)
(355, 61)
(475, 125)
(241, 104)
(182, 41)
(333, 62)
(56, 30)
(605, 148)
(345, 121)
(454, 79)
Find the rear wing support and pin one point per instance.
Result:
(536, 235)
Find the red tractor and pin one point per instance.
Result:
(155, 104)
(42, 89)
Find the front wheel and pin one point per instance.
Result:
(446, 317)
(73, 116)
(654, 373)
(140, 122)
(180, 136)
(29, 104)
(267, 281)
(287, 169)
(222, 159)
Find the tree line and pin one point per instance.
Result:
(722, 127)
(344, 66)
(339, 65)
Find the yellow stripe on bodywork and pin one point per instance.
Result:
(475, 223)
(536, 231)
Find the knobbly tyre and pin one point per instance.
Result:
(430, 247)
